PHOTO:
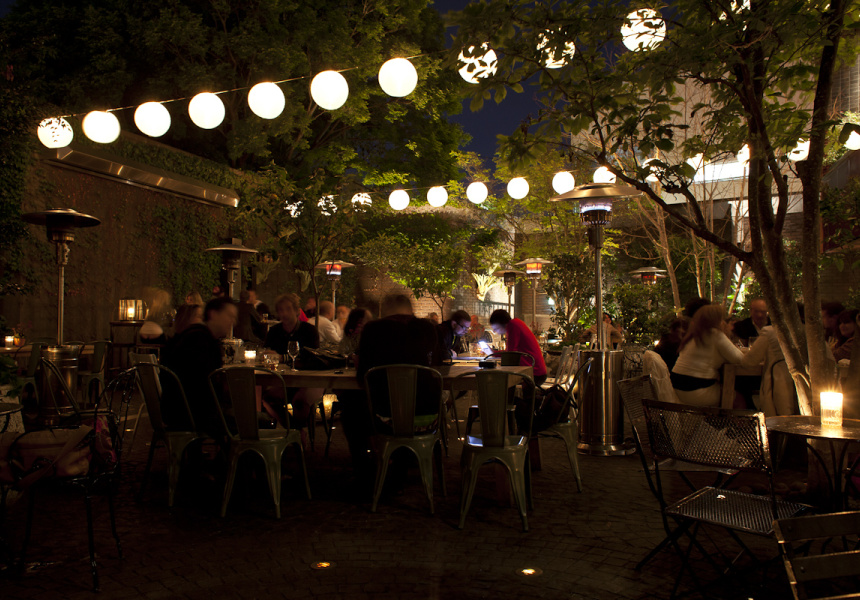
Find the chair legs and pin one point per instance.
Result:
(568, 434)
(425, 467)
(470, 479)
(383, 457)
(91, 542)
(519, 474)
(228, 485)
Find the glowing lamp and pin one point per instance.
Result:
(563, 182)
(603, 175)
(644, 30)
(55, 133)
(476, 192)
(398, 77)
(437, 196)
(518, 188)
(549, 54)
(361, 199)
(853, 141)
(329, 90)
(266, 100)
(831, 409)
(9, 341)
(333, 270)
(152, 119)
(131, 310)
(398, 199)
(477, 66)
(101, 127)
(649, 275)
(800, 152)
(250, 356)
(534, 267)
(206, 110)
(327, 205)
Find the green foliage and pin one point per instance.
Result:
(637, 309)
(569, 281)
(9, 375)
(840, 215)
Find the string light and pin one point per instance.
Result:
(101, 127)
(266, 100)
(206, 110)
(152, 118)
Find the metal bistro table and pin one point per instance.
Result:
(810, 428)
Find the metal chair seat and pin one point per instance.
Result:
(511, 442)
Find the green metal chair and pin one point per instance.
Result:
(494, 444)
(235, 385)
(96, 373)
(507, 358)
(149, 377)
(421, 434)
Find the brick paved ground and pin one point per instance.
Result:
(586, 544)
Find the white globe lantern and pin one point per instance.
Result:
(206, 110)
(437, 196)
(743, 155)
(327, 205)
(152, 119)
(398, 200)
(101, 127)
(563, 182)
(603, 175)
(548, 54)
(653, 171)
(398, 77)
(361, 199)
(55, 133)
(800, 152)
(329, 90)
(478, 66)
(477, 192)
(853, 141)
(267, 100)
(645, 31)
(518, 188)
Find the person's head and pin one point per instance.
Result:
(830, 311)
(245, 296)
(186, 316)
(477, 327)
(194, 298)
(678, 327)
(356, 320)
(499, 321)
(693, 305)
(433, 317)
(396, 304)
(327, 310)
(310, 304)
(607, 318)
(460, 322)
(758, 312)
(252, 296)
(707, 318)
(287, 308)
(342, 313)
(220, 315)
(847, 323)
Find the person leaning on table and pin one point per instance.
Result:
(704, 349)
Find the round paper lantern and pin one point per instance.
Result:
(329, 90)
(206, 110)
(518, 188)
(853, 141)
(55, 132)
(645, 31)
(437, 196)
(800, 152)
(398, 200)
(603, 175)
(361, 199)
(152, 119)
(101, 127)
(267, 100)
(478, 66)
(743, 155)
(548, 54)
(476, 192)
(398, 77)
(654, 171)
(563, 182)
(327, 205)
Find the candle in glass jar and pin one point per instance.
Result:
(131, 313)
(831, 409)
(250, 356)
(9, 341)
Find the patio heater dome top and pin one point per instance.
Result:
(234, 246)
(592, 191)
(503, 272)
(60, 221)
(328, 263)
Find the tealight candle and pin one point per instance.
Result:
(831, 409)
(250, 356)
(131, 313)
(9, 341)
(328, 400)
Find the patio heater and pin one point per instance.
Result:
(333, 271)
(534, 269)
(601, 425)
(60, 224)
(231, 261)
(510, 278)
(648, 275)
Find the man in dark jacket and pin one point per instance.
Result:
(449, 336)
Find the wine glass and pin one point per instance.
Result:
(293, 351)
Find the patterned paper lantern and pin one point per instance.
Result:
(645, 31)
(55, 132)
(478, 66)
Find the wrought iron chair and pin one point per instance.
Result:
(28, 375)
(494, 444)
(233, 387)
(96, 373)
(829, 573)
(107, 423)
(420, 433)
(717, 438)
(176, 441)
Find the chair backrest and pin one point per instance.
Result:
(401, 382)
(114, 405)
(633, 392)
(714, 437)
(149, 378)
(136, 358)
(57, 391)
(570, 400)
(562, 360)
(35, 357)
(512, 358)
(818, 565)
(234, 386)
(100, 352)
(493, 406)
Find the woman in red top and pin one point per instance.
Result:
(519, 339)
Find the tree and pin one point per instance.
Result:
(758, 73)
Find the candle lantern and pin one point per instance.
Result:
(649, 275)
(131, 309)
(9, 341)
(831, 409)
(333, 271)
(534, 270)
(250, 356)
(510, 278)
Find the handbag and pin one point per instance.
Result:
(26, 458)
(314, 359)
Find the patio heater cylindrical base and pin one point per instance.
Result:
(606, 449)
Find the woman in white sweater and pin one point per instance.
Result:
(705, 348)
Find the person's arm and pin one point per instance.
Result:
(513, 337)
(727, 350)
(844, 351)
(758, 351)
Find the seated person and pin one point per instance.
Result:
(670, 341)
(329, 335)
(519, 338)
(193, 354)
(449, 336)
(260, 306)
(355, 322)
(250, 326)
(704, 349)
(291, 329)
(611, 334)
(830, 312)
(159, 318)
(846, 321)
(341, 317)
(186, 316)
(751, 326)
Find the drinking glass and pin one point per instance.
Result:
(293, 351)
